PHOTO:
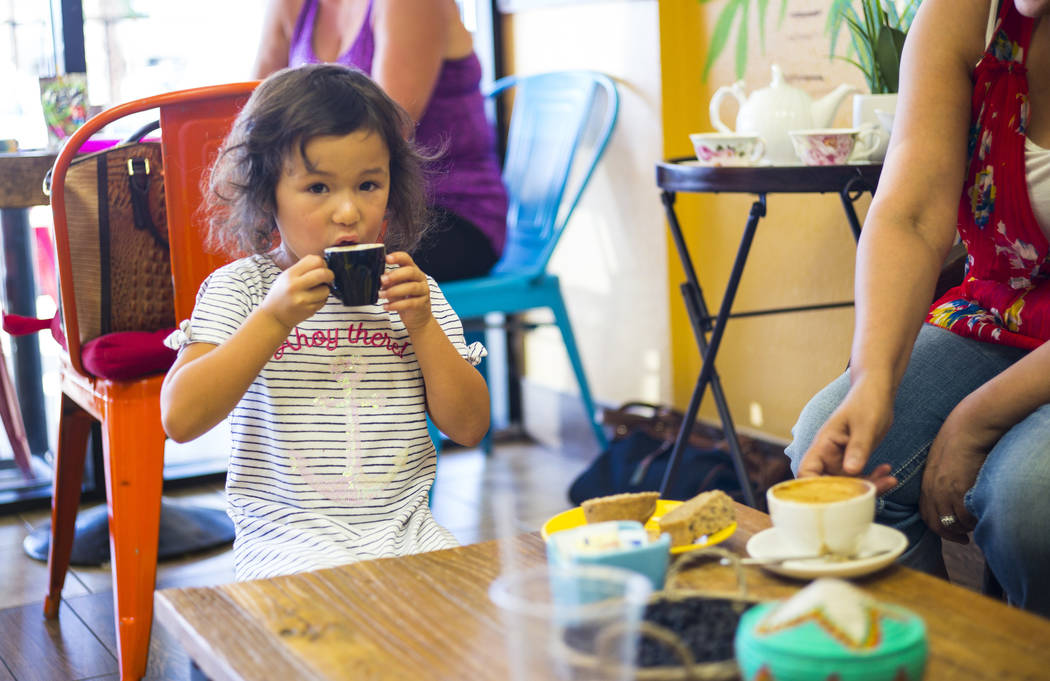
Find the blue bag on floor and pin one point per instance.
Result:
(637, 463)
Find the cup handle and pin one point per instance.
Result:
(868, 138)
(759, 151)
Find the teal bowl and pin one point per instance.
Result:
(649, 559)
(811, 650)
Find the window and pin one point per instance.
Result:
(133, 48)
(26, 53)
(136, 48)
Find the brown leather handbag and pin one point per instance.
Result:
(119, 240)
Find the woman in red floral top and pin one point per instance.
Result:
(947, 407)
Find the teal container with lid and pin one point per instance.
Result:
(640, 554)
(830, 631)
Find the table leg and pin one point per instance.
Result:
(849, 194)
(19, 297)
(724, 415)
(701, 324)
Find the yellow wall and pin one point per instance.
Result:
(612, 257)
(619, 268)
(803, 251)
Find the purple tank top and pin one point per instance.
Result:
(468, 180)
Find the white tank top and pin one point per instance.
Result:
(1036, 158)
(1037, 170)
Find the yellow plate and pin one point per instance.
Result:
(566, 520)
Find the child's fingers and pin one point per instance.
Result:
(321, 277)
(308, 263)
(406, 290)
(310, 271)
(313, 296)
(403, 275)
(313, 282)
(400, 258)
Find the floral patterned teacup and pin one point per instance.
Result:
(835, 146)
(728, 149)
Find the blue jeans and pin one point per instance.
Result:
(1011, 498)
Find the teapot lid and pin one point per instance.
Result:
(778, 76)
(781, 95)
(781, 85)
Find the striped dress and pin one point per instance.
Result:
(331, 460)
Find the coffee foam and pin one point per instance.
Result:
(820, 490)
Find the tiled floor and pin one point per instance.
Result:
(476, 497)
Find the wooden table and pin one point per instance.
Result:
(428, 616)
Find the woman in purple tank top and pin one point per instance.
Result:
(421, 54)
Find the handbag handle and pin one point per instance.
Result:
(131, 139)
(658, 421)
(142, 132)
(138, 182)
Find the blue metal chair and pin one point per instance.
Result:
(559, 128)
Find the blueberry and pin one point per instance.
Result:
(705, 625)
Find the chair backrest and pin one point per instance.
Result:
(193, 124)
(559, 127)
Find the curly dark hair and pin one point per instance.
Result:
(284, 113)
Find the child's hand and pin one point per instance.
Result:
(407, 291)
(299, 292)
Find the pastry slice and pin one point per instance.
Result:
(627, 506)
(706, 513)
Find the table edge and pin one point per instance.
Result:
(673, 175)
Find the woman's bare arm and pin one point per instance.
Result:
(278, 23)
(911, 223)
(412, 38)
(909, 228)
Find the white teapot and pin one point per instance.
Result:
(773, 111)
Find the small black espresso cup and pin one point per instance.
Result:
(357, 270)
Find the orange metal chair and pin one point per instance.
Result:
(193, 124)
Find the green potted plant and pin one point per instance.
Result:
(877, 30)
(738, 12)
(877, 34)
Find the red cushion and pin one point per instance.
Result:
(17, 325)
(128, 355)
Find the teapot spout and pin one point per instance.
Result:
(824, 108)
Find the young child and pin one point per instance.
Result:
(331, 460)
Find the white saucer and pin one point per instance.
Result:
(768, 543)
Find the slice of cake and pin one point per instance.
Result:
(627, 506)
(706, 513)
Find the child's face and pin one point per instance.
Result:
(340, 200)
